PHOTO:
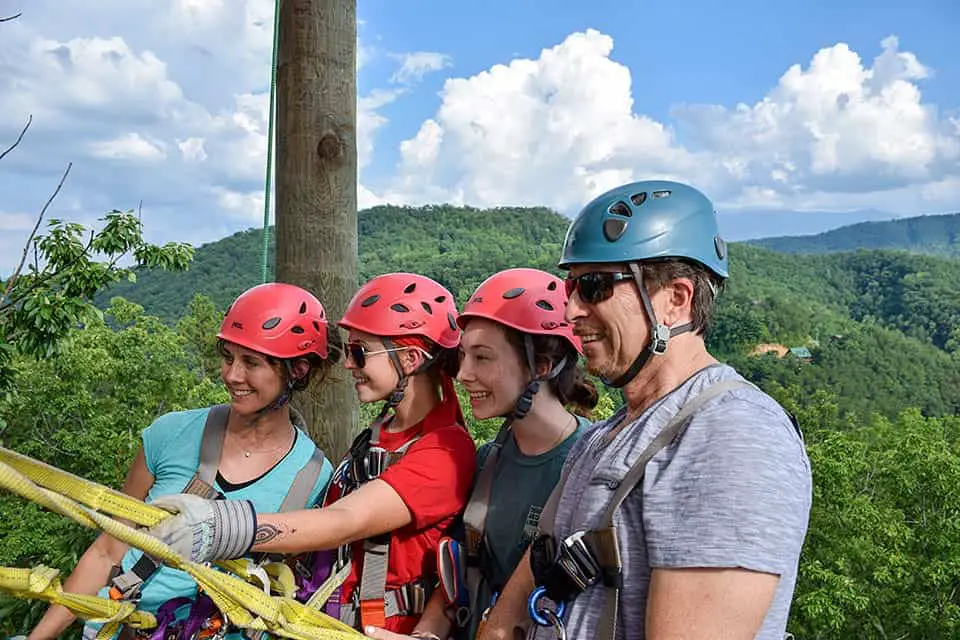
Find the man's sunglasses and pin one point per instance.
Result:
(596, 286)
(359, 353)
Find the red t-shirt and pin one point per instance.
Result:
(433, 478)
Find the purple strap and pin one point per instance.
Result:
(319, 566)
(167, 615)
(201, 609)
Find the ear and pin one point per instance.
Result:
(678, 302)
(299, 368)
(543, 367)
(411, 359)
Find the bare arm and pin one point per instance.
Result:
(372, 509)
(510, 610)
(94, 567)
(714, 604)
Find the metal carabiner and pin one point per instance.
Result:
(558, 629)
(545, 617)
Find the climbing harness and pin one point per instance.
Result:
(372, 603)
(127, 585)
(583, 559)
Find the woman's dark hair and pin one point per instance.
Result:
(319, 369)
(571, 385)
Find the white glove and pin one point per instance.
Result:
(206, 530)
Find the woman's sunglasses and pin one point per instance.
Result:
(596, 286)
(359, 353)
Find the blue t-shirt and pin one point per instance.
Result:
(171, 446)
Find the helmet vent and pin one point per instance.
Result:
(663, 193)
(426, 307)
(516, 292)
(400, 308)
(410, 288)
(440, 299)
(452, 321)
(552, 286)
(316, 325)
(297, 329)
(614, 228)
(638, 198)
(370, 301)
(621, 208)
(543, 304)
(303, 308)
(271, 323)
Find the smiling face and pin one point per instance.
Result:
(252, 380)
(490, 369)
(613, 331)
(377, 377)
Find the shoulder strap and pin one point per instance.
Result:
(304, 482)
(127, 585)
(475, 514)
(605, 540)
(211, 446)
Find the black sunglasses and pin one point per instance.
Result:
(359, 353)
(595, 286)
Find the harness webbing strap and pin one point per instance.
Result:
(603, 541)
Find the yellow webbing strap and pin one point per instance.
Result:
(243, 604)
(109, 501)
(42, 583)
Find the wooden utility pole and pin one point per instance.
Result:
(316, 178)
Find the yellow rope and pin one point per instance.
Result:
(243, 604)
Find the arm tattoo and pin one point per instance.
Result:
(265, 533)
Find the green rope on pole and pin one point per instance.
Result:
(271, 108)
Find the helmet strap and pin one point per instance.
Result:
(660, 334)
(525, 401)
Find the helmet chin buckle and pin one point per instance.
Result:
(661, 337)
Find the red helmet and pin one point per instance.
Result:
(404, 304)
(277, 319)
(528, 300)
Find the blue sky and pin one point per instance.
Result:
(793, 117)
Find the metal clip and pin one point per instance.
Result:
(376, 462)
(577, 561)
(545, 617)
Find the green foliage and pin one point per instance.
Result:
(935, 235)
(459, 247)
(49, 295)
(882, 556)
(878, 402)
(83, 409)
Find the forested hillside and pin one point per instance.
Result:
(898, 314)
(864, 349)
(935, 235)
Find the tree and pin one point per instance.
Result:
(82, 410)
(317, 181)
(52, 287)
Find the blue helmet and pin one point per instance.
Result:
(647, 220)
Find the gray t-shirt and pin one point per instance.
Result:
(735, 491)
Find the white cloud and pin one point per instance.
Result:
(16, 221)
(243, 205)
(556, 130)
(414, 66)
(166, 101)
(180, 86)
(193, 149)
(131, 147)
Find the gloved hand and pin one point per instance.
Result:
(206, 530)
